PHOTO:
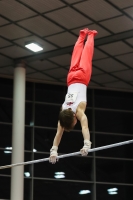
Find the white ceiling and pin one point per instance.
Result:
(55, 25)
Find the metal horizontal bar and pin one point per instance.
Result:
(68, 155)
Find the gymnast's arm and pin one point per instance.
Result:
(84, 124)
(85, 129)
(56, 142)
(58, 135)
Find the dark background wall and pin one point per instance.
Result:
(110, 117)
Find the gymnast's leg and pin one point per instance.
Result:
(78, 48)
(86, 57)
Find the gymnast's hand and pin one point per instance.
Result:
(86, 147)
(53, 154)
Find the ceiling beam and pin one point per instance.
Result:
(66, 50)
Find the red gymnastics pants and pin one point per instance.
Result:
(81, 62)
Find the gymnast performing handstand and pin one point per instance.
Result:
(74, 106)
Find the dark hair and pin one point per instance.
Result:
(66, 119)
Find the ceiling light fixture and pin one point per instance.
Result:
(84, 192)
(33, 46)
(27, 174)
(8, 150)
(112, 191)
(59, 175)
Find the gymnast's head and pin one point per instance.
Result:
(67, 119)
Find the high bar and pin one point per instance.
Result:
(68, 155)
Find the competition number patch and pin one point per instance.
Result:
(71, 97)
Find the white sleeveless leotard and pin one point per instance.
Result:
(76, 93)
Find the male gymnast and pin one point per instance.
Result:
(74, 106)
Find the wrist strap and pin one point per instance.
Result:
(87, 143)
(54, 148)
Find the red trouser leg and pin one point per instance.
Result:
(76, 56)
(86, 59)
(77, 52)
(81, 65)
